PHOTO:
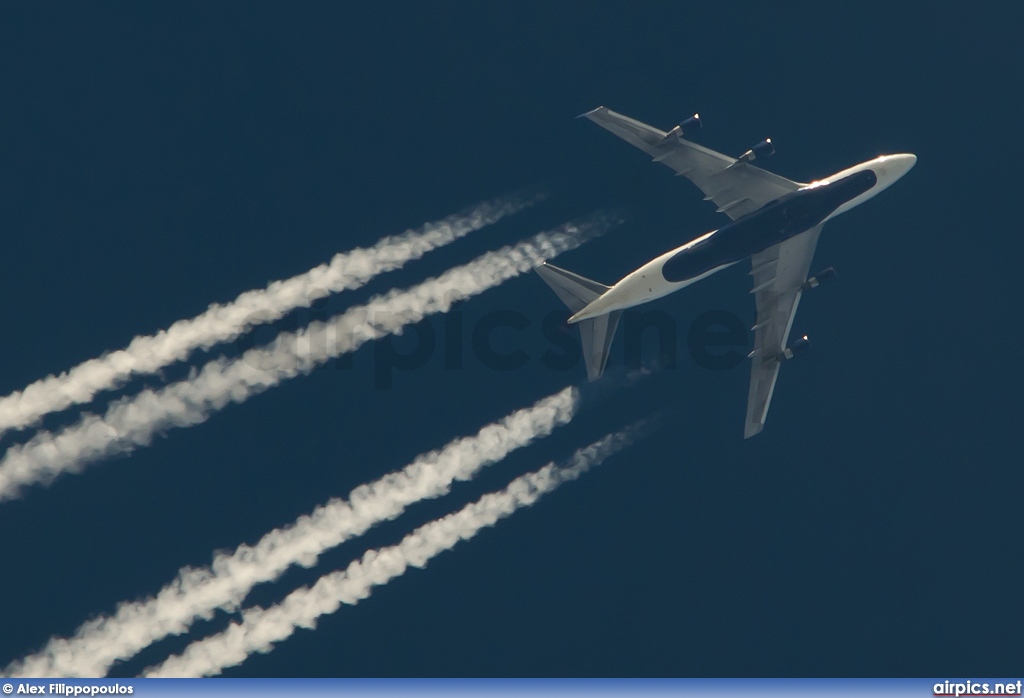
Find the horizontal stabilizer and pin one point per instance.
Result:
(596, 333)
(575, 291)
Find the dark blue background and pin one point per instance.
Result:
(154, 159)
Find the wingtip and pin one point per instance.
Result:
(752, 430)
(588, 113)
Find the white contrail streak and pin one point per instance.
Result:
(261, 628)
(197, 593)
(132, 422)
(223, 323)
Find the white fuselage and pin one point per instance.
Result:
(649, 281)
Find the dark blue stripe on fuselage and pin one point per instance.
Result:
(780, 220)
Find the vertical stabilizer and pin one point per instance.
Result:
(596, 334)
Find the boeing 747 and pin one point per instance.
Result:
(775, 223)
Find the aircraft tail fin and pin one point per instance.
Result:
(596, 333)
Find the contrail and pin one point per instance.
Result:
(222, 323)
(197, 593)
(261, 628)
(132, 422)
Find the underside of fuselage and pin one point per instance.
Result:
(775, 222)
(778, 221)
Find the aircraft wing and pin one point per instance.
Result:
(779, 274)
(737, 188)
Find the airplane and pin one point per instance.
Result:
(775, 222)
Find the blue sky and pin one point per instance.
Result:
(156, 159)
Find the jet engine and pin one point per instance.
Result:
(690, 125)
(819, 278)
(685, 127)
(796, 348)
(761, 150)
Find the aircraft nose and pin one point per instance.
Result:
(903, 163)
(895, 166)
(889, 168)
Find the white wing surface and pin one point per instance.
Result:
(779, 275)
(737, 188)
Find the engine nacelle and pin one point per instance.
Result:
(796, 348)
(820, 278)
(761, 150)
(690, 125)
(685, 127)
